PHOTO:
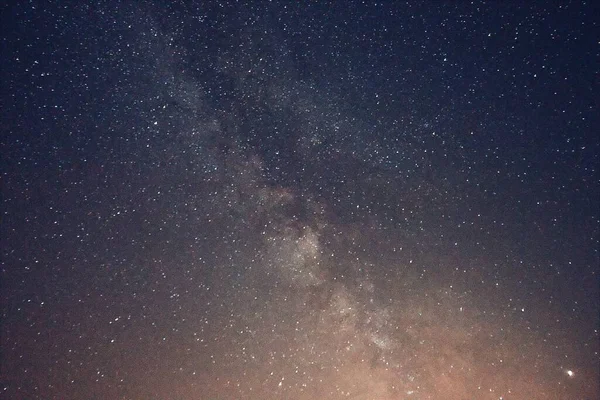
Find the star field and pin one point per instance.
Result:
(247, 200)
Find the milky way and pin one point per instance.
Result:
(298, 202)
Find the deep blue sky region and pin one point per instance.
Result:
(300, 200)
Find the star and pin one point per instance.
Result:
(570, 373)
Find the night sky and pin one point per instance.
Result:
(271, 200)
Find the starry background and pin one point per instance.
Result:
(300, 201)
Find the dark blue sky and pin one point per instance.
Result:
(273, 200)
